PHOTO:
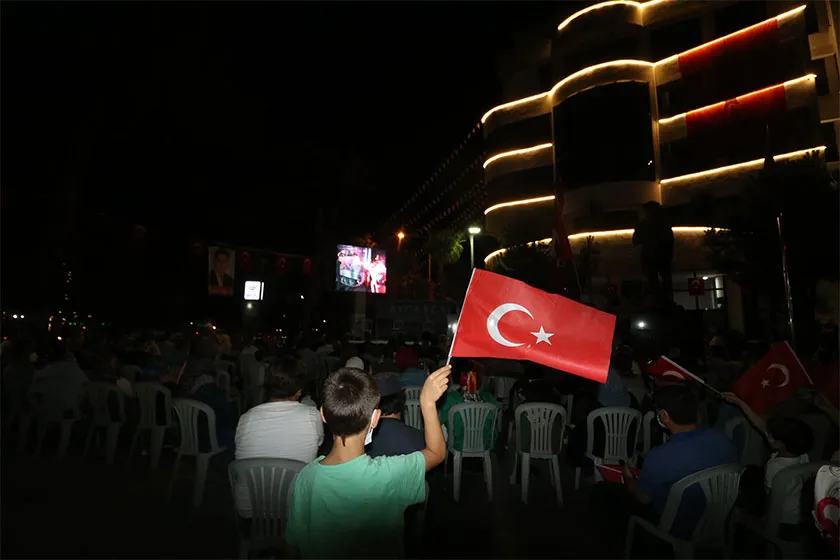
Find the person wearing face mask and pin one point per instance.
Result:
(689, 450)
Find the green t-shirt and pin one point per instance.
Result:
(355, 510)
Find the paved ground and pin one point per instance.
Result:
(76, 509)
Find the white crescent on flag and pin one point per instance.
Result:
(784, 371)
(496, 316)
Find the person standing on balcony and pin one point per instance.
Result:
(655, 236)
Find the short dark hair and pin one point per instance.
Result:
(350, 397)
(283, 379)
(221, 252)
(679, 402)
(797, 436)
(393, 404)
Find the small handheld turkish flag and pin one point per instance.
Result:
(668, 370)
(772, 379)
(505, 318)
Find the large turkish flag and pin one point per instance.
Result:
(772, 379)
(508, 319)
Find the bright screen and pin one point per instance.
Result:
(360, 269)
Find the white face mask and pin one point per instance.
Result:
(369, 436)
(659, 421)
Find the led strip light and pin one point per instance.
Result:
(754, 164)
(518, 152)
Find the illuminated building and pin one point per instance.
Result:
(627, 102)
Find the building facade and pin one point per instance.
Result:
(662, 100)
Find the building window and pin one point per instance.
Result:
(604, 134)
(675, 38)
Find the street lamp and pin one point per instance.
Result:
(473, 231)
(400, 237)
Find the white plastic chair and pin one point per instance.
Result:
(412, 393)
(618, 422)
(720, 487)
(147, 396)
(474, 417)
(753, 450)
(542, 421)
(412, 415)
(49, 412)
(502, 387)
(189, 412)
(100, 396)
(767, 527)
(270, 483)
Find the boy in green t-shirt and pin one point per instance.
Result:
(347, 504)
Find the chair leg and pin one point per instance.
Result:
(172, 478)
(488, 475)
(64, 443)
(112, 436)
(515, 467)
(243, 549)
(156, 445)
(577, 478)
(457, 475)
(133, 445)
(558, 485)
(526, 476)
(201, 464)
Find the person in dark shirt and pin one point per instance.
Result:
(655, 236)
(392, 436)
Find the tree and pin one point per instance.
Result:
(531, 263)
(801, 194)
(446, 247)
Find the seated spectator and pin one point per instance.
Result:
(356, 363)
(349, 505)
(405, 357)
(690, 450)
(413, 377)
(62, 382)
(792, 439)
(282, 428)
(20, 371)
(392, 436)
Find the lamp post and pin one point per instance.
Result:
(473, 231)
(400, 237)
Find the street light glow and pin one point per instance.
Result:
(401, 235)
(474, 230)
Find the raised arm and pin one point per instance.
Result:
(433, 389)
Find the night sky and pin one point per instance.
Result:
(237, 122)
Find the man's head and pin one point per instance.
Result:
(221, 261)
(791, 436)
(350, 399)
(391, 395)
(283, 380)
(651, 208)
(676, 408)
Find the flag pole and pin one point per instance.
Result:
(458, 324)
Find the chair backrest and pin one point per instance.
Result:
(474, 417)
(502, 387)
(270, 484)
(147, 397)
(101, 397)
(720, 487)
(223, 381)
(412, 393)
(543, 420)
(412, 415)
(649, 433)
(131, 372)
(620, 423)
(780, 491)
(189, 412)
(753, 451)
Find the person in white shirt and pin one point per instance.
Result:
(61, 383)
(281, 428)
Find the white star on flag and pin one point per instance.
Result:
(542, 336)
(764, 383)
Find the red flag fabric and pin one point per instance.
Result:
(508, 319)
(615, 473)
(773, 379)
(669, 370)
